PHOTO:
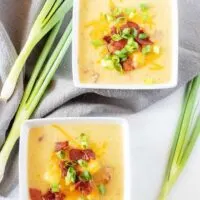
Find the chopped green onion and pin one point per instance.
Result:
(52, 12)
(83, 163)
(146, 50)
(116, 37)
(102, 189)
(71, 176)
(135, 33)
(109, 18)
(55, 188)
(131, 46)
(143, 36)
(117, 12)
(126, 33)
(97, 43)
(112, 62)
(121, 53)
(156, 49)
(144, 7)
(61, 155)
(27, 107)
(84, 140)
(86, 176)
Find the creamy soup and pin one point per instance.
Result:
(76, 162)
(125, 41)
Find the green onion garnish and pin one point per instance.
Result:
(61, 155)
(97, 43)
(84, 140)
(147, 49)
(55, 188)
(144, 7)
(102, 189)
(86, 176)
(83, 163)
(116, 37)
(71, 175)
(143, 36)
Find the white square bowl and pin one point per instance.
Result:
(23, 152)
(174, 74)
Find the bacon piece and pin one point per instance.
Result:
(128, 65)
(117, 45)
(77, 154)
(63, 168)
(62, 146)
(132, 25)
(84, 187)
(143, 42)
(59, 196)
(107, 39)
(35, 194)
(104, 175)
(53, 196)
(113, 30)
(89, 155)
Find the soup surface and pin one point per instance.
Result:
(76, 162)
(125, 42)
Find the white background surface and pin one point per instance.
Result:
(152, 132)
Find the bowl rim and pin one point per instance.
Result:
(175, 57)
(23, 151)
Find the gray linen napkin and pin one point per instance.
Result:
(63, 99)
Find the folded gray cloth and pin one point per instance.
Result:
(63, 99)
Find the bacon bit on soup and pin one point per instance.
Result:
(116, 45)
(104, 175)
(128, 65)
(61, 146)
(84, 187)
(78, 154)
(63, 168)
(35, 194)
(143, 41)
(113, 30)
(53, 196)
(107, 38)
(131, 25)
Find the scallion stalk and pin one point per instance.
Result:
(26, 107)
(52, 12)
(187, 133)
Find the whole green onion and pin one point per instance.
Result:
(52, 12)
(187, 133)
(36, 87)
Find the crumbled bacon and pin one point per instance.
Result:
(63, 168)
(117, 45)
(77, 154)
(84, 187)
(107, 39)
(53, 196)
(143, 42)
(132, 25)
(62, 146)
(35, 194)
(104, 175)
(113, 30)
(128, 65)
